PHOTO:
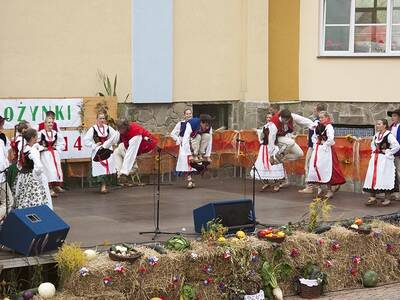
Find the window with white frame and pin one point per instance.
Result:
(360, 27)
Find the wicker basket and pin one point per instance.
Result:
(310, 292)
(275, 239)
(130, 258)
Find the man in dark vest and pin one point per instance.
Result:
(198, 136)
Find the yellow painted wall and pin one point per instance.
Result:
(283, 42)
(220, 50)
(341, 79)
(53, 48)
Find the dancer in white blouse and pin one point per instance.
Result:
(52, 143)
(271, 175)
(31, 187)
(101, 136)
(183, 168)
(381, 173)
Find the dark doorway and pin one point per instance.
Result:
(219, 113)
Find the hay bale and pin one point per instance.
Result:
(239, 270)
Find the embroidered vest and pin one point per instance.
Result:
(100, 139)
(283, 129)
(27, 163)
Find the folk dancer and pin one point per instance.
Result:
(324, 168)
(17, 143)
(196, 144)
(101, 136)
(51, 144)
(284, 122)
(49, 115)
(31, 187)
(182, 166)
(272, 175)
(381, 174)
(134, 140)
(315, 115)
(394, 128)
(5, 191)
(274, 108)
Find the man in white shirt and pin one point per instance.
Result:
(284, 122)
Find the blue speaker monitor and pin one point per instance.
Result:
(33, 231)
(235, 214)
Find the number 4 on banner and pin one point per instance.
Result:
(78, 143)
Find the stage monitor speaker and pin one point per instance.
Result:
(33, 231)
(234, 214)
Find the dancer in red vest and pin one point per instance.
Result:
(284, 122)
(324, 167)
(134, 140)
(381, 176)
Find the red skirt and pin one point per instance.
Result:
(337, 175)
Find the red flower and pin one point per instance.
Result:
(335, 246)
(295, 252)
(353, 271)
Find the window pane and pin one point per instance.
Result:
(370, 39)
(396, 3)
(337, 38)
(370, 3)
(396, 37)
(338, 11)
(396, 16)
(371, 12)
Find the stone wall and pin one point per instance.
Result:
(246, 114)
(159, 118)
(163, 117)
(365, 113)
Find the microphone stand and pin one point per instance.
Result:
(5, 171)
(255, 170)
(157, 195)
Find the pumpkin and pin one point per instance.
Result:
(240, 234)
(370, 279)
(47, 290)
(90, 254)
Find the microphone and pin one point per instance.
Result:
(240, 140)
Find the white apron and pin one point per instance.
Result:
(105, 167)
(50, 158)
(381, 171)
(320, 167)
(266, 171)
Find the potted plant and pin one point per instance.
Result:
(311, 281)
